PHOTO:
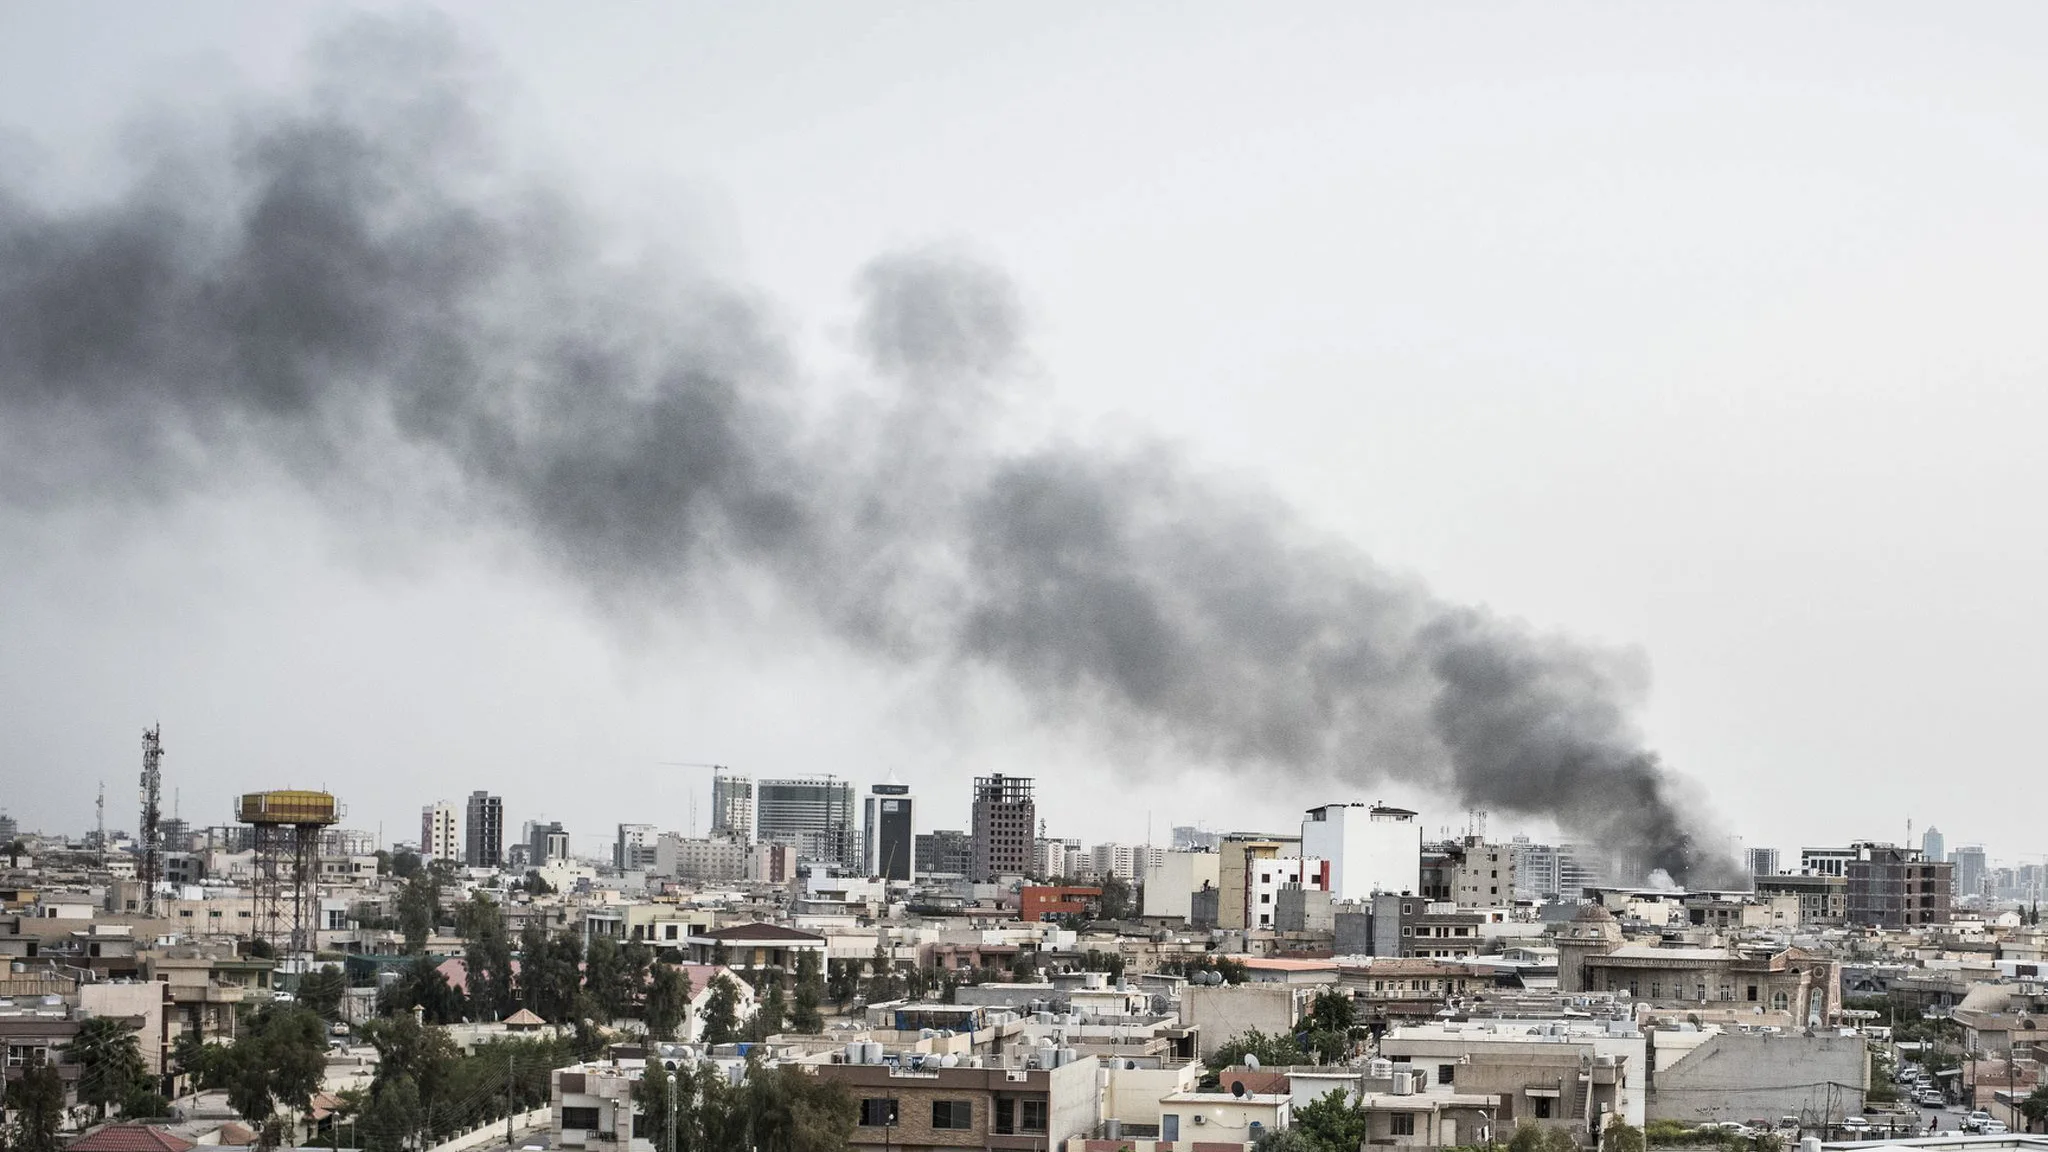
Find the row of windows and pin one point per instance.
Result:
(1012, 1116)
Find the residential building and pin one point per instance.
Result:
(1371, 849)
(732, 805)
(484, 831)
(1126, 860)
(634, 849)
(1042, 1104)
(1823, 900)
(1414, 928)
(889, 831)
(437, 832)
(1239, 858)
(1893, 887)
(756, 946)
(720, 857)
(814, 815)
(1056, 856)
(1005, 825)
(1171, 883)
(945, 852)
(1971, 867)
(1037, 901)
(1266, 878)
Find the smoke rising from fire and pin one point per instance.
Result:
(357, 289)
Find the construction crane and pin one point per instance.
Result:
(715, 770)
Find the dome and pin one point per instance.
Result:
(1595, 913)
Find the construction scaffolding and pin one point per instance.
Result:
(285, 829)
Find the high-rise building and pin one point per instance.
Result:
(546, 841)
(1536, 869)
(1129, 861)
(1893, 887)
(634, 849)
(1933, 846)
(8, 830)
(945, 852)
(1056, 856)
(484, 831)
(1370, 849)
(889, 835)
(1188, 838)
(1005, 824)
(1971, 866)
(437, 832)
(814, 815)
(1762, 861)
(732, 806)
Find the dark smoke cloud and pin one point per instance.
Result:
(357, 293)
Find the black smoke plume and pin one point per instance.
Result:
(353, 288)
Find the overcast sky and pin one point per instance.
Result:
(1713, 335)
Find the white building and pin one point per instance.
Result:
(1126, 860)
(437, 832)
(1265, 878)
(1171, 883)
(1371, 849)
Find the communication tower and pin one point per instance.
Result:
(152, 802)
(284, 830)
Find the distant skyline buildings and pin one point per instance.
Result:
(888, 830)
(814, 815)
(1004, 827)
(484, 831)
(1933, 845)
(732, 805)
(438, 839)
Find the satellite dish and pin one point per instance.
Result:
(1251, 1062)
(1237, 1087)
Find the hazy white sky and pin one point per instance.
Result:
(1712, 332)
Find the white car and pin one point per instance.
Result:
(1976, 1120)
(1855, 1124)
(1994, 1128)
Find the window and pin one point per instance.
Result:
(957, 1114)
(1402, 1123)
(1752, 993)
(1542, 1107)
(1702, 990)
(1407, 931)
(1006, 1117)
(1633, 989)
(1407, 910)
(1445, 1073)
(1656, 990)
(1265, 897)
(1033, 1116)
(583, 1118)
(1169, 1127)
(878, 1112)
(1780, 1002)
(1727, 991)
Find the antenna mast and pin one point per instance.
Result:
(100, 839)
(152, 803)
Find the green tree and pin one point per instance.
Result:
(770, 1009)
(421, 985)
(787, 1111)
(844, 982)
(1527, 1138)
(720, 1013)
(2035, 1107)
(37, 1101)
(393, 1116)
(1115, 903)
(668, 1001)
(278, 1061)
(109, 1056)
(1333, 1011)
(1273, 1051)
(804, 1016)
(653, 1094)
(604, 978)
(1620, 1136)
(883, 983)
(322, 991)
(419, 908)
(1330, 1122)
(405, 864)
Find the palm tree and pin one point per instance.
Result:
(109, 1057)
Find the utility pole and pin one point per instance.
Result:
(511, 1100)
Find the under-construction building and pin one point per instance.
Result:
(285, 829)
(1005, 827)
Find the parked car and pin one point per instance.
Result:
(1994, 1128)
(1976, 1120)
(1855, 1124)
(1929, 1098)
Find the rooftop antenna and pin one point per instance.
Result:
(100, 837)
